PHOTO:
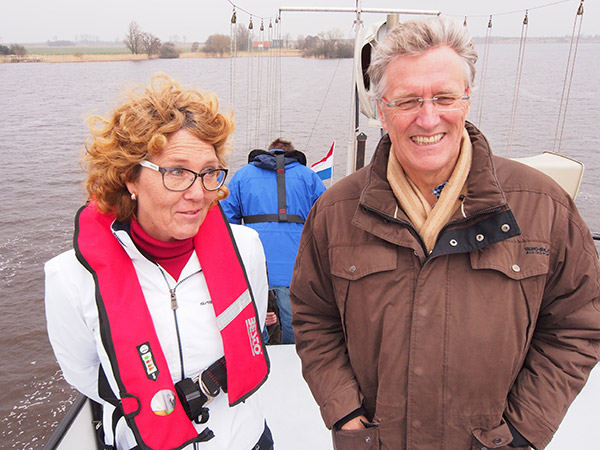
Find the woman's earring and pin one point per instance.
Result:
(133, 196)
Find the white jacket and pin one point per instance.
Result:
(72, 316)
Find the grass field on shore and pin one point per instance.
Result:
(55, 54)
(71, 50)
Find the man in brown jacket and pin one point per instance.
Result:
(443, 297)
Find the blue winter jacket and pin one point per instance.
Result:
(253, 190)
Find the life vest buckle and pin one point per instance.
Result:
(195, 393)
(193, 400)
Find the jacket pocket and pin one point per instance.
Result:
(353, 262)
(361, 278)
(517, 260)
(367, 439)
(496, 438)
(526, 264)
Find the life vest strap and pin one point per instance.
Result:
(214, 378)
(255, 218)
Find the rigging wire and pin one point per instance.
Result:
(249, 82)
(271, 87)
(269, 93)
(570, 68)
(249, 13)
(520, 60)
(520, 10)
(276, 82)
(546, 5)
(278, 73)
(259, 87)
(274, 95)
(333, 76)
(232, 57)
(486, 53)
(322, 104)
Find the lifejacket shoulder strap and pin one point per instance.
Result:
(235, 309)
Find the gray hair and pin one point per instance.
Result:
(416, 37)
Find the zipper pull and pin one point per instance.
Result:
(173, 300)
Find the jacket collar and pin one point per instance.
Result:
(484, 192)
(121, 232)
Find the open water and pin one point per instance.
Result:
(42, 132)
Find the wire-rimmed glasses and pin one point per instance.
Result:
(412, 105)
(180, 179)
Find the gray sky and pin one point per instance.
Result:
(28, 21)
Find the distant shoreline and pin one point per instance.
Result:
(101, 53)
(107, 57)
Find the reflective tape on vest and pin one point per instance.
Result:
(227, 316)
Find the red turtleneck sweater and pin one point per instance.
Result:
(172, 256)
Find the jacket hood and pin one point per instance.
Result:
(266, 159)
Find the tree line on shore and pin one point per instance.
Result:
(13, 49)
(324, 45)
(140, 42)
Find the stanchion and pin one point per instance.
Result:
(360, 150)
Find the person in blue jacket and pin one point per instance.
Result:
(273, 194)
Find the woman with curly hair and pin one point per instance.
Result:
(156, 313)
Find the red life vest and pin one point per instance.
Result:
(138, 363)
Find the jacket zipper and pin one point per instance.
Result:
(400, 222)
(174, 307)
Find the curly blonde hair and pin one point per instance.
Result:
(139, 129)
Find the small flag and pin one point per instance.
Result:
(324, 167)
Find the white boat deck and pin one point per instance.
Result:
(296, 423)
(292, 414)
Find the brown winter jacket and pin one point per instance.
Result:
(501, 319)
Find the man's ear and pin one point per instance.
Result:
(381, 115)
(468, 91)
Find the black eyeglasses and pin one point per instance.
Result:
(180, 179)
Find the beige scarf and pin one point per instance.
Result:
(426, 220)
